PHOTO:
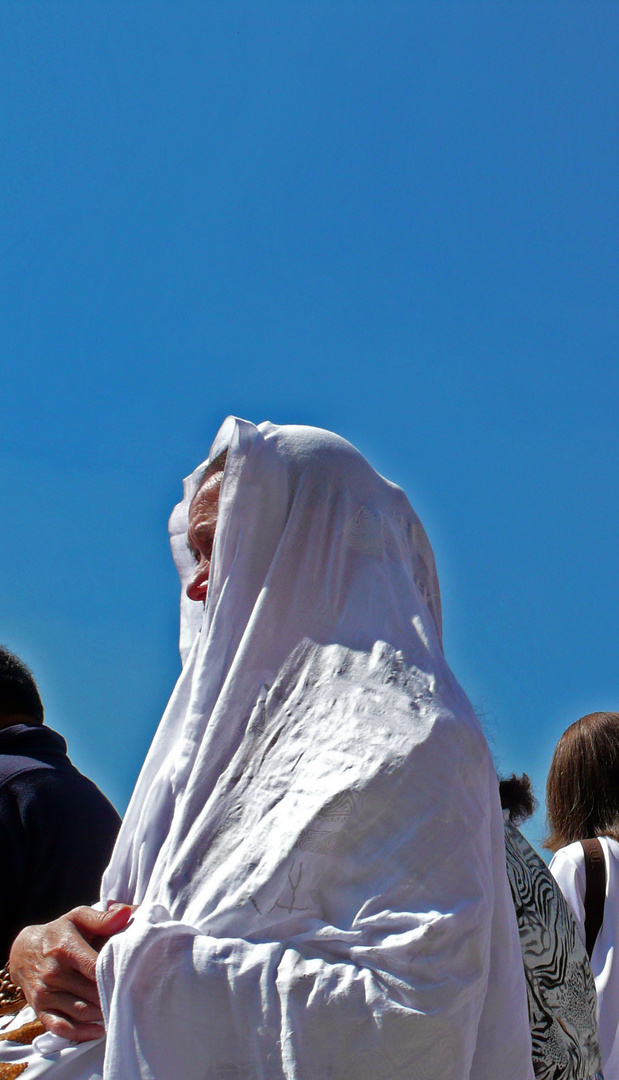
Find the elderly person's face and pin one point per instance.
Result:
(201, 533)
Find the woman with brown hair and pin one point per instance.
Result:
(582, 801)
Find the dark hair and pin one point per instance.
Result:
(517, 796)
(582, 790)
(19, 694)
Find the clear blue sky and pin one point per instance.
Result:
(395, 220)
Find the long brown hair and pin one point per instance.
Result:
(582, 790)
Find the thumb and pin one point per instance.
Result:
(91, 923)
(115, 918)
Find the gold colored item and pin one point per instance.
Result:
(11, 996)
(26, 1034)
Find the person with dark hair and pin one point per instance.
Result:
(19, 693)
(57, 830)
(560, 987)
(582, 804)
(516, 794)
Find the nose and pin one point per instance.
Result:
(198, 586)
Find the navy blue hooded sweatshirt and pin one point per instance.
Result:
(57, 831)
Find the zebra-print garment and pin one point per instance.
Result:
(560, 986)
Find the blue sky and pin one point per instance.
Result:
(395, 220)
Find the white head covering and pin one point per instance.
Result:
(315, 839)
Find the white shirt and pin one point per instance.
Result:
(568, 868)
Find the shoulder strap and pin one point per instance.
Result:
(595, 892)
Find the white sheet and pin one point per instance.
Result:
(315, 840)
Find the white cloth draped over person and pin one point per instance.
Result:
(315, 841)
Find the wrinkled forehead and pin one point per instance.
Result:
(209, 482)
(206, 498)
